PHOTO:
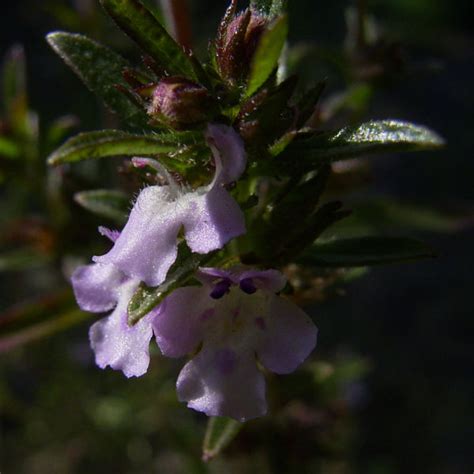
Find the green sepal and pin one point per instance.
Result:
(92, 145)
(365, 251)
(101, 70)
(144, 28)
(267, 54)
(220, 432)
(147, 298)
(108, 203)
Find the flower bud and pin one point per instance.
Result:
(180, 103)
(237, 41)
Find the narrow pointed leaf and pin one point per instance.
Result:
(92, 145)
(22, 259)
(14, 78)
(265, 59)
(37, 331)
(100, 69)
(385, 215)
(362, 251)
(269, 7)
(145, 29)
(219, 434)
(307, 104)
(369, 138)
(107, 203)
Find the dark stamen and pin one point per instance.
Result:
(247, 286)
(220, 288)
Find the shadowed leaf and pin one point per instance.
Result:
(107, 203)
(362, 251)
(142, 26)
(55, 324)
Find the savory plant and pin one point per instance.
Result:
(234, 166)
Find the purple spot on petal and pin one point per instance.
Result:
(260, 323)
(226, 361)
(247, 286)
(208, 313)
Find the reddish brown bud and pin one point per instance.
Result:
(237, 41)
(180, 103)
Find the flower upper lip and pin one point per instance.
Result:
(147, 246)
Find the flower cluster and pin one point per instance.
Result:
(234, 319)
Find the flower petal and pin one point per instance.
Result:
(111, 234)
(119, 345)
(222, 382)
(212, 220)
(94, 286)
(269, 280)
(146, 247)
(178, 326)
(289, 337)
(228, 150)
(209, 275)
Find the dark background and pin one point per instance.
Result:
(412, 322)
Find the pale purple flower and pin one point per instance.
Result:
(210, 217)
(238, 319)
(103, 287)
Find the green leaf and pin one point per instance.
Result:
(307, 104)
(270, 244)
(269, 7)
(100, 69)
(368, 138)
(219, 433)
(43, 329)
(385, 215)
(146, 298)
(22, 259)
(273, 116)
(265, 59)
(9, 148)
(60, 128)
(15, 95)
(362, 251)
(145, 29)
(107, 203)
(14, 77)
(92, 145)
